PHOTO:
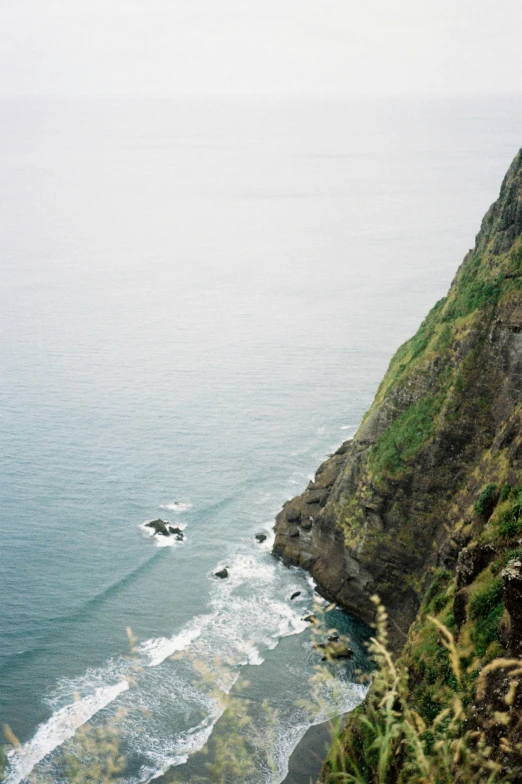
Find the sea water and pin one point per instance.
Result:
(198, 300)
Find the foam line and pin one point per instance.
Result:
(60, 727)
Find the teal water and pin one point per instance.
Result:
(198, 301)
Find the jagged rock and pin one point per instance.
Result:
(293, 531)
(222, 574)
(471, 561)
(306, 524)
(175, 530)
(295, 595)
(159, 526)
(260, 537)
(310, 619)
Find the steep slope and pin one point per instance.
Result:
(398, 501)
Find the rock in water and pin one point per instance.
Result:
(295, 595)
(222, 574)
(338, 650)
(159, 526)
(260, 537)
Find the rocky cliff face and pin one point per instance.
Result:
(399, 501)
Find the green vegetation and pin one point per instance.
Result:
(485, 611)
(405, 437)
(407, 734)
(487, 500)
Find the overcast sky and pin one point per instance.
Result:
(270, 47)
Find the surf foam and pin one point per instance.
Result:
(60, 727)
(176, 506)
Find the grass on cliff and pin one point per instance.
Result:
(405, 437)
(478, 289)
(401, 735)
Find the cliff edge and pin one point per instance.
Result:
(399, 501)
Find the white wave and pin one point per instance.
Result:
(176, 506)
(348, 427)
(343, 697)
(60, 727)
(268, 530)
(161, 648)
(248, 614)
(253, 656)
(168, 541)
(320, 431)
(187, 744)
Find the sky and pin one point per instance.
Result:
(259, 47)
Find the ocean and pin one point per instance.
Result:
(198, 300)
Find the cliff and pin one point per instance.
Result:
(398, 500)
(423, 508)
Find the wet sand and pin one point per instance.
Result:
(308, 756)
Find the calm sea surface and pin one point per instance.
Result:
(197, 303)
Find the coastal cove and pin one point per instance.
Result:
(194, 321)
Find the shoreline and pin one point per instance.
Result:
(307, 759)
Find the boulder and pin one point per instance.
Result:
(317, 497)
(295, 595)
(260, 537)
(293, 531)
(310, 619)
(173, 529)
(293, 515)
(222, 574)
(306, 524)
